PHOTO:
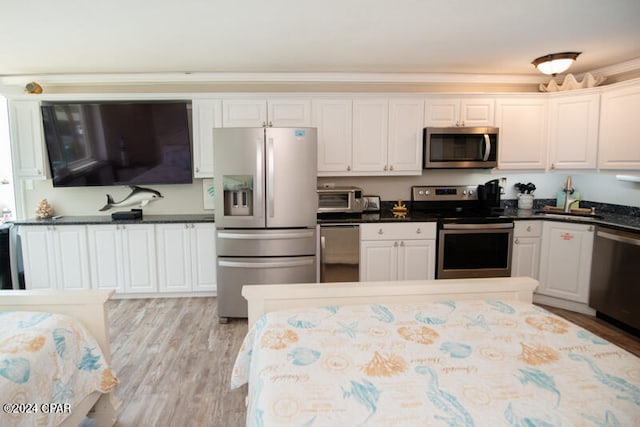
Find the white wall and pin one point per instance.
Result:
(188, 198)
(592, 187)
(177, 199)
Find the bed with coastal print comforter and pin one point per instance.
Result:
(466, 363)
(48, 364)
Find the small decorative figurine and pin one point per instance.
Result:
(399, 210)
(44, 210)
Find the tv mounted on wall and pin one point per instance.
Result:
(118, 142)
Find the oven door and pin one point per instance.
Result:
(474, 250)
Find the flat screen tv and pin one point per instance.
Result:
(118, 143)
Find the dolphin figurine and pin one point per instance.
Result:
(138, 196)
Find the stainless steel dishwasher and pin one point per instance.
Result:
(339, 253)
(614, 289)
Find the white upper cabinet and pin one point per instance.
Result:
(27, 138)
(406, 121)
(573, 130)
(620, 127)
(522, 142)
(333, 118)
(278, 112)
(454, 111)
(289, 112)
(370, 135)
(207, 114)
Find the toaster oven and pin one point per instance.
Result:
(340, 200)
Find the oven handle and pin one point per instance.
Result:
(501, 225)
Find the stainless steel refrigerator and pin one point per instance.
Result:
(266, 204)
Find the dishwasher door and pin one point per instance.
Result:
(339, 253)
(614, 289)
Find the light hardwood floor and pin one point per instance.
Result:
(174, 361)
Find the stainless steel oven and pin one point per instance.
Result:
(474, 249)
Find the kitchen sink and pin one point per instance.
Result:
(568, 215)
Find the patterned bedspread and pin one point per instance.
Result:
(48, 364)
(482, 363)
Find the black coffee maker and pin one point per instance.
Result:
(489, 196)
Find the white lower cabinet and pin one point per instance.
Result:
(565, 264)
(55, 257)
(123, 257)
(397, 251)
(186, 257)
(525, 258)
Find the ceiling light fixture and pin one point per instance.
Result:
(555, 63)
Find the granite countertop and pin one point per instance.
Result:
(614, 220)
(106, 219)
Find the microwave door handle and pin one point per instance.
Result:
(487, 147)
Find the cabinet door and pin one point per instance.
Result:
(416, 260)
(203, 257)
(573, 131)
(442, 112)
(139, 258)
(525, 259)
(333, 118)
(244, 113)
(565, 264)
(105, 257)
(370, 135)
(207, 114)
(522, 143)
(619, 128)
(477, 112)
(27, 138)
(289, 112)
(71, 255)
(38, 257)
(406, 121)
(454, 111)
(174, 257)
(378, 260)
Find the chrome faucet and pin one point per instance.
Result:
(567, 191)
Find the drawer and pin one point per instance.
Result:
(404, 231)
(527, 229)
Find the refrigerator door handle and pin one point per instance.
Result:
(273, 264)
(270, 176)
(269, 236)
(259, 205)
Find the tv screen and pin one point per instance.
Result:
(118, 143)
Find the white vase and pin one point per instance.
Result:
(525, 201)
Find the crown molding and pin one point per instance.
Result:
(177, 78)
(102, 79)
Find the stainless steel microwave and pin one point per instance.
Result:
(340, 199)
(460, 147)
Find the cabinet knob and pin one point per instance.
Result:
(348, 168)
(391, 167)
(591, 228)
(197, 169)
(186, 226)
(380, 231)
(39, 172)
(516, 241)
(419, 230)
(385, 168)
(529, 228)
(402, 243)
(553, 165)
(395, 244)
